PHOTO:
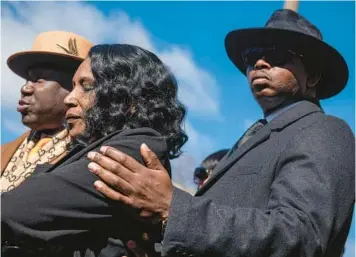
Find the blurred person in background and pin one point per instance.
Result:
(205, 170)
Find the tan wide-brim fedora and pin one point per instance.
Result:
(60, 49)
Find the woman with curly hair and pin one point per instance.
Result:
(123, 96)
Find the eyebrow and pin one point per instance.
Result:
(40, 72)
(32, 73)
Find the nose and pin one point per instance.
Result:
(27, 89)
(262, 64)
(70, 100)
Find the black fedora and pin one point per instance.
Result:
(287, 28)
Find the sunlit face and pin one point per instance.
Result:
(41, 104)
(80, 99)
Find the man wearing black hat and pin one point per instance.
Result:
(286, 188)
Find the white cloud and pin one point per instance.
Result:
(182, 172)
(198, 88)
(198, 143)
(202, 97)
(130, 31)
(350, 249)
(197, 85)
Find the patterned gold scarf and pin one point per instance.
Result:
(30, 153)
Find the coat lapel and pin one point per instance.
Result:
(258, 138)
(290, 116)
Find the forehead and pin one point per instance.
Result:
(43, 71)
(48, 73)
(84, 70)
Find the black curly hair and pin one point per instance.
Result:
(134, 89)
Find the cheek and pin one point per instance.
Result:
(59, 99)
(63, 93)
(249, 73)
(50, 93)
(88, 101)
(45, 98)
(50, 104)
(284, 80)
(84, 99)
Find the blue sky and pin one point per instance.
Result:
(188, 36)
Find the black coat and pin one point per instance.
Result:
(287, 191)
(58, 212)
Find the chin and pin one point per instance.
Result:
(271, 103)
(31, 123)
(26, 119)
(75, 128)
(74, 133)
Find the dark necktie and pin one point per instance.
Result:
(248, 134)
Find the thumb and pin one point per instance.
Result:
(151, 159)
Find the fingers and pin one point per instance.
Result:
(111, 179)
(106, 163)
(135, 249)
(110, 193)
(125, 160)
(150, 158)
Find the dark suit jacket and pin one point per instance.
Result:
(58, 211)
(287, 191)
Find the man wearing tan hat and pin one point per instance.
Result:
(48, 69)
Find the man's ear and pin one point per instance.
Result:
(313, 80)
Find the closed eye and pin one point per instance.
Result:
(87, 86)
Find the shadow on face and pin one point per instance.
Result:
(42, 98)
(277, 75)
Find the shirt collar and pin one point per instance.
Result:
(278, 112)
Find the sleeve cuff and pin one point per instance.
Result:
(176, 222)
